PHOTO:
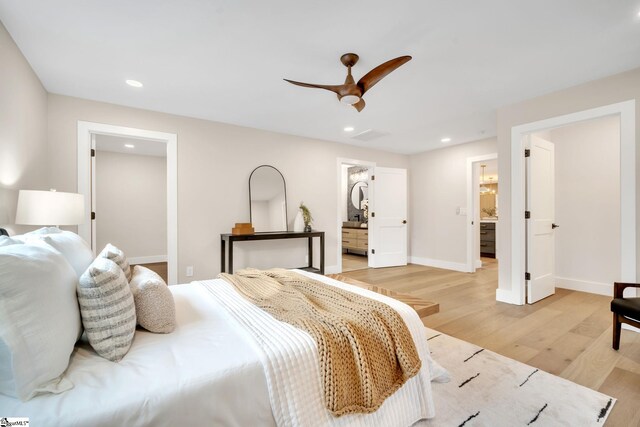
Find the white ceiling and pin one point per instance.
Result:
(141, 147)
(224, 60)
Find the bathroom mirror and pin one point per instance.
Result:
(359, 192)
(267, 199)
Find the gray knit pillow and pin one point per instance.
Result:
(155, 308)
(107, 309)
(117, 256)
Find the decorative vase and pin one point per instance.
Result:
(307, 228)
(298, 223)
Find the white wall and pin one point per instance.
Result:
(587, 204)
(598, 93)
(23, 131)
(214, 164)
(438, 186)
(131, 203)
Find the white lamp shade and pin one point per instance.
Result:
(49, 208)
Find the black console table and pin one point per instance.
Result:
(232, 238)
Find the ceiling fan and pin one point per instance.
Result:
(351, 92)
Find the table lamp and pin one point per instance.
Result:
(49, 208)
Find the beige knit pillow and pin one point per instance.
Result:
(155, 307)
(117, 256)
(107, 309)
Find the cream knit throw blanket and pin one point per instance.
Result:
(365, 350)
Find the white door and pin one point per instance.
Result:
(540, 227)
(388, 217)
(93, 194)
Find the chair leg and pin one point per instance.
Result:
(616, 331)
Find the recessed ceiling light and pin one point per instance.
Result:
(349, 129)
(129, 145)
(133, 83)
(445, 140)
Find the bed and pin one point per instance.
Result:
(215, 370)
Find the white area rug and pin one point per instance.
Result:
(487, 389)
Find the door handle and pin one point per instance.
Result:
(553, 226)
(404, 221)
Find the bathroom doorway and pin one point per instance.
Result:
(353, 233)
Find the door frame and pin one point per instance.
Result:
(626, 111)
(85, 132)
(473, 223)
(352, 162)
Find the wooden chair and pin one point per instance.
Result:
(625, 310)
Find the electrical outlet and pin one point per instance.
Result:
(306, 259)
(190, 271)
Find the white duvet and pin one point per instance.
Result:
(218, 368)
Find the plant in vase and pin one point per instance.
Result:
(306, 216)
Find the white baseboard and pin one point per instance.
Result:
(507, 296)
(447, 265)
(630, 328)
(478, 263)
(331, 269)
(585, 286)
(147, 259)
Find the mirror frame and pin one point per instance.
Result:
(286, 213)
(353, 187)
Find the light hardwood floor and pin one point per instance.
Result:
(351, 262)
(567, 334)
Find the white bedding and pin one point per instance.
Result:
(290, 359)
(210, 372)
(203, 374)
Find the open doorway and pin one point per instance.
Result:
(132, 173)
(482, 215)
(354, 214)
(573, 202)
(88, 133)
(524, 256)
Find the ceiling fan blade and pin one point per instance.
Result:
(380, 72)
(359, 105)
(332, 88)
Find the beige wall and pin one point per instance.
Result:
(214, 164)
(131, 203)
(23, 130)
(438, 187)
(606, 91)
(587, 204)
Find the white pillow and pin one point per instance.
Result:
(39, 320)
(107, 309)
(117, 256)
(155, 308)
(44, 230)
(6, 241)
(73, 248)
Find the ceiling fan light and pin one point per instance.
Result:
(350, 99)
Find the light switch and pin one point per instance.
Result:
(190, 271)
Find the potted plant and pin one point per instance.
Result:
(306, 217)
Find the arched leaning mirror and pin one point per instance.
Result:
(267, 199)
